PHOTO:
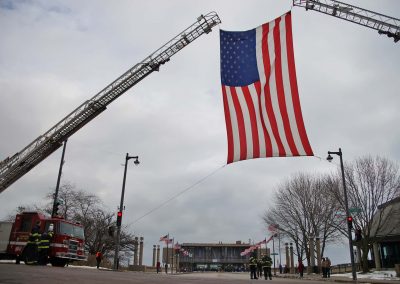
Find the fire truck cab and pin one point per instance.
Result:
(66, 245)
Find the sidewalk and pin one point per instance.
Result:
(342, 278)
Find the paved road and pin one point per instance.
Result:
(20, 274)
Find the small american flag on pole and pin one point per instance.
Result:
(164, 238)
(261, 101)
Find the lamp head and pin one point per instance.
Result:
(136, 162)
(329, 158)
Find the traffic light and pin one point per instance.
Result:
(350, 222)
(56, 208)
(119, 218)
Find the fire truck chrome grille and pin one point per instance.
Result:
(73, 247)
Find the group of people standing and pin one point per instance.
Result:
(37, 248)
(260, 266)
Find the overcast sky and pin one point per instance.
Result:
(54, 55)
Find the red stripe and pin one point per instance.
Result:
(240, 122)
(280, 89)
(268, 145)
(228, 126)
(293, 86)
(253, 121)
(267, 92)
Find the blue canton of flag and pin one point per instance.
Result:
(238, 58)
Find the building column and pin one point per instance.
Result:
(287, 256)
(291, 259)
(377, 256)
(141, 252)
(154, 255)
(158, 253)
(135, 253)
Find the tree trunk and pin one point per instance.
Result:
(365, 250)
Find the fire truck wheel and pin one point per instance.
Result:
(58, 262)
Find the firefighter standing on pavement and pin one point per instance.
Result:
(253, 267)
(31, 249)
(267, 263)
(259, 268)
(44, 246)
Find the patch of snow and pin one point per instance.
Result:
(376, 275)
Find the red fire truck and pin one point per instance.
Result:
(66, 245)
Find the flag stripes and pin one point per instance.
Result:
(263, 119)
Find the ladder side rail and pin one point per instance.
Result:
(106, 91)
(43, 150)
(382, 16)
(353, 14)
(209, 21)
(40, 140)
(43, 146)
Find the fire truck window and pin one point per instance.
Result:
(26, 224)
(71, 230)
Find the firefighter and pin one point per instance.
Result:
(31, 248)
(44, 245)
(253, 267)
(267, 263)
(259, 268)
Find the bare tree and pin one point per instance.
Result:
(370, 182)
(303, 209)
(10, 217)
(87, 209)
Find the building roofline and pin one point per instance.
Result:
(394, 200)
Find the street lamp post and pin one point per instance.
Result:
(346, 205)
(121, 207)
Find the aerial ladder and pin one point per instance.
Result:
(383, 24)
(14, 167)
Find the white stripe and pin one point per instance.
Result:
(288, 91)
(274, 95)
(56, 245)
(18, 243)
(247, 122)
(260, 131)
(260, 65)
(234, 123)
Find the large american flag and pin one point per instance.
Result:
(261, 101)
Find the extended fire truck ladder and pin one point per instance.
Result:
(12, 168)
(383, 24)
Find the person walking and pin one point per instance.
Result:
(323, 266)
(267, 263)
(301, 268)
(253, 267)
(158, 266)
(99, 257)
